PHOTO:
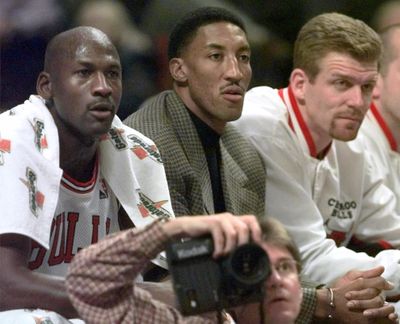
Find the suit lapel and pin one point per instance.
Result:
(187, 134)
(235, 183)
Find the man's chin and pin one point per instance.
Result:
(234, 116)
(345, 138)
(346, 135)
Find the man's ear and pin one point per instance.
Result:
(43, 85)
(298, 83)
(177, 69)
(376, 92)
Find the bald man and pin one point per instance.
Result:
(70, 173)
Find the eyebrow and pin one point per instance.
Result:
(285, 259)
(112, 64)
(349, 77)
(221, 47)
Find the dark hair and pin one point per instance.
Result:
(187, 27)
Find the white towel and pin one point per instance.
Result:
(30, 174)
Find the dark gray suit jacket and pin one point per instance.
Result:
(165, 119)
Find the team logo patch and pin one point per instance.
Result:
(148, 207)
(36, 198)
(5, 147)
(39, 319)
(40, 136)
(143, 150)
(342, 210)
(116, 138)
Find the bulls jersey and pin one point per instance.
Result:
(338, 195)
(85, 213)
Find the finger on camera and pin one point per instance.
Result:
(243, 231)
(231, 236)
(219, 241)
(254, 227)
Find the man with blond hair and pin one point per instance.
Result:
(320, 183)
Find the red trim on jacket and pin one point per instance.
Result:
(384, 126)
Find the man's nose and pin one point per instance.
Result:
(357, 98)
(101, 86)
(233, 71)
(274, 279)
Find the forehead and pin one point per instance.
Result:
(96, 49)
(220, 33)
(334, 63)
(276, 252)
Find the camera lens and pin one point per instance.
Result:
(248, 264)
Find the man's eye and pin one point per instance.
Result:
(215, 56)
(342, 84)
(114, 74)
(286, 267)
(83, 72)
(244, 58)
(282, 267)
(367, 88)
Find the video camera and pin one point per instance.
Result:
(204, 284)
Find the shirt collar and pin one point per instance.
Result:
(208, 137)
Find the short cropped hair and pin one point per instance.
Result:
(334, 32)
(185, 30)
(389, 51)
(274, 233)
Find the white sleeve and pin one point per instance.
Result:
(288, 198)
(379, 219)
(323, 261)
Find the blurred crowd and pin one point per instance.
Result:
(140, 30)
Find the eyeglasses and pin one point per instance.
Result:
(286, 267)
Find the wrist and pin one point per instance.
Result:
(173, 229)
(325, 304)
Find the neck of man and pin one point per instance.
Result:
(322, 142)
(78, 160)
(183, 93)
(320, 139)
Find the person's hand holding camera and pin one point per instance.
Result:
(227, 230)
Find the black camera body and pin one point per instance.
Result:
(204, 284)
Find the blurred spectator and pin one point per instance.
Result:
(25, 28)
(270, 55)
(135, 49)
(387, 14)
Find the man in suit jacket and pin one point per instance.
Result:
(210, 167)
